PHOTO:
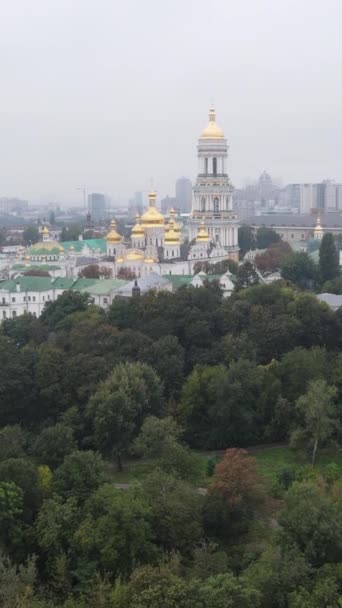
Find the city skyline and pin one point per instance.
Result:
(90, 103)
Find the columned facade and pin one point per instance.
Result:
(212, 192)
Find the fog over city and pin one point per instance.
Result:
(111, 94)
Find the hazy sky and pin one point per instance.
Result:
(112, 93)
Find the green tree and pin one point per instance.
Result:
(116, 532)
(300, 269)
(155, 433)
(53, 444)
(31, 235)
(246, 239)
(67, 303)
(312, 521)
(17, 583)
(80, 475)
(120, 405)
(246, 276)
(318, 416)
(266, 237)
(12, 442)
(328, 258)
(333, 286)
(24, 474)
(176, 512)
(11, 508)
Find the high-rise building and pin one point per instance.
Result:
(326, 195)
(183, 194)
(97, 206)
(212, 192)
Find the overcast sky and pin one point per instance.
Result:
(112, 93)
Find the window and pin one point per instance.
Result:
(13, 299)
(24, 298)
(292, 236)
(214, 166)
(105, 300)
(216, 205)
(29, 298)
(4, 314)
(43, 298)
(4, 300)
(34, 314)
(206, 166)
(14, 314)
(203, 204)
(34, 298)
(173, 253)
(48, 297)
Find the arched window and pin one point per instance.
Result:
(216, 205)
(214, 166)
(206, 166)
(173, 253)
(203, 204)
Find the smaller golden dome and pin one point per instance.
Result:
(149, 260)
(113, 236)
(45, 230)
(176, 226)
(212, 131)
(72, 248)
(202, 235)
(152, 217)
(171, 235)
(119, 260)
(137, 229)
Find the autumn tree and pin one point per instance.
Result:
(235, 494)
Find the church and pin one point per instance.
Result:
(156, 245)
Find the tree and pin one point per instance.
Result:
(246, 276)
(312, 520)
(24, 474)
(176, 512)
(24, 329)
(329, 264)
(120, 405)
(94, 271)
(155, 433)
(66, 304)
(272, 258)
(266, 237)
(116, 532)
(126, 274)
(31, 235)
(53, 444)
(11, 508)
(300, 269)
(235, 493)
(12, 442)
(333, 286)
(17, 583)
(246, 239)
(318, 417)
(79, 475)
(36, 273)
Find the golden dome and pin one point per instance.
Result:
(137, 229)
(149, 260)
(202, 235)
(171, 235)
(45, 230)
(135, 255)
(113, 236)
(119, 260)
(152, 217)
(212, 131)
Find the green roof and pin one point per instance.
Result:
(91, 243)
(95, 286)
(178, 280)
(104, 286)
(36, 267)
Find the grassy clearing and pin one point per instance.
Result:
(270, 461)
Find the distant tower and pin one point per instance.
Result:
(136, 291)
(212, 192)
(184, 194)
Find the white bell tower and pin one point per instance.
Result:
(212, 192)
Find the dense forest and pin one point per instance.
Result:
(187, 382)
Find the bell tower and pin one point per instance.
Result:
(212, 192)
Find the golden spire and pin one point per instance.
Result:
(137, 229)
